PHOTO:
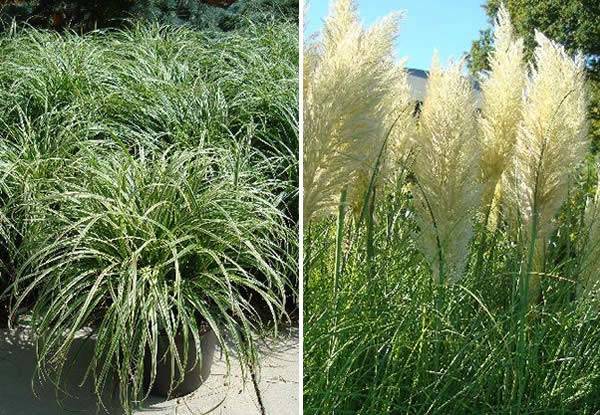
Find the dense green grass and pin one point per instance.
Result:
(383, 338)
(148, 184)
(174, 86)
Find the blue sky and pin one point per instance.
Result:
(446, 25)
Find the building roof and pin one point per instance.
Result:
(417, 80)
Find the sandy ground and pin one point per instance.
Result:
(278, 385)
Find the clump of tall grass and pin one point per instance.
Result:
(381, 336)
(161, 85)
(139, 248)
(150, 87)
(148, 187)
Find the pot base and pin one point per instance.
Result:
(194, 377)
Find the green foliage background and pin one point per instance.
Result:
(573, 23)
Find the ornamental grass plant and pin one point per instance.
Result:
(142, 247)
(148, 188)
(468, 286)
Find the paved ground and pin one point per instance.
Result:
(278, 385)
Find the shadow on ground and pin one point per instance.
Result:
(226, 391)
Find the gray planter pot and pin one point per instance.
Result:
(194, 376)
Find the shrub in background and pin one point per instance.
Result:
(89, 14)
(237, 15)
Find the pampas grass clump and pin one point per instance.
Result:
(421, 307)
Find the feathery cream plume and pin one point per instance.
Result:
(447, 171)
(346, 79)
(502, 92)
(401, 124)
(389, 152)
(551, 143)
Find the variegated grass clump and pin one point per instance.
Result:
(502, 91)
(139, 248)
(446, 170)
(346, 82)
(141, 170)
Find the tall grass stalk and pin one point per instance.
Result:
(339, 241)
(589, 282)
(502, 91)
(447, 157)
(551, 145)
